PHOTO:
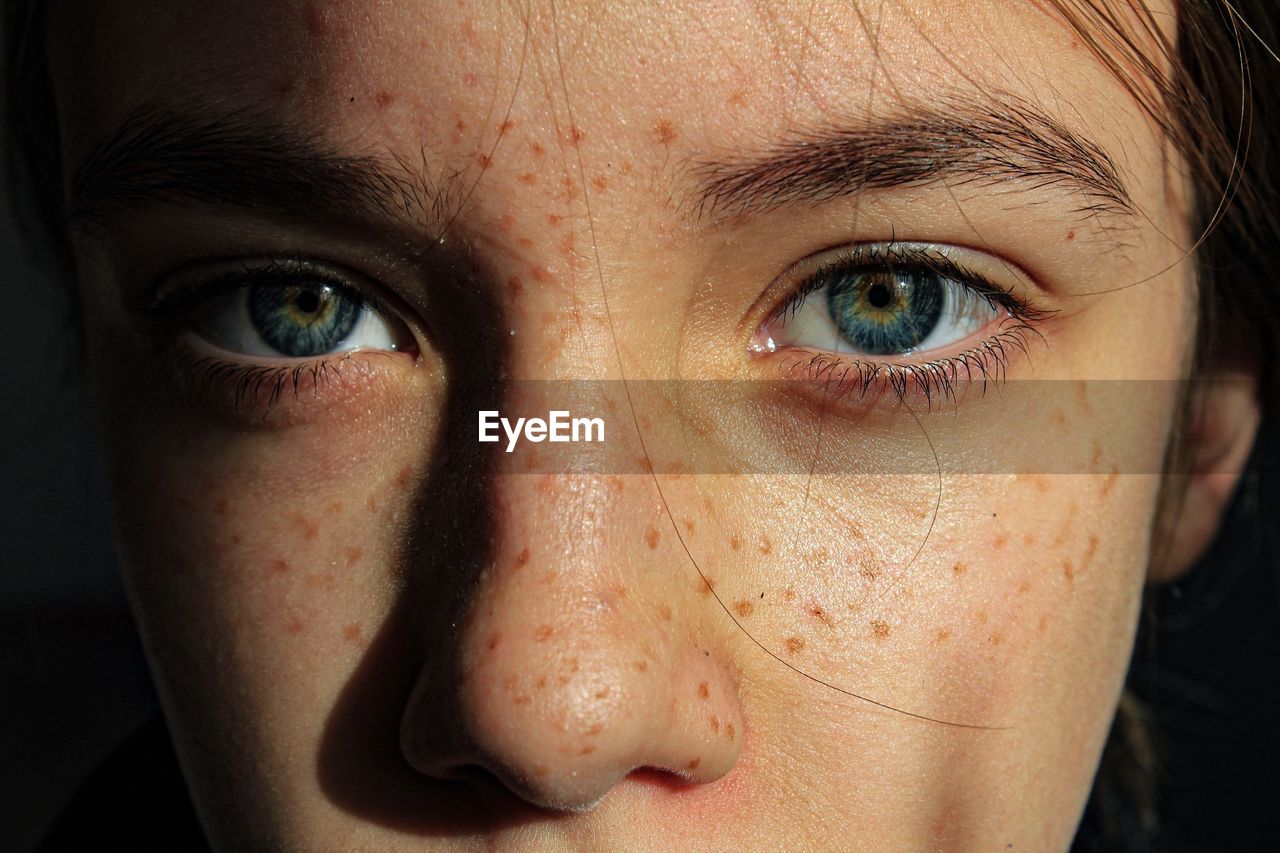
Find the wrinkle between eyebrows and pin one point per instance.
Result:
(961, 139)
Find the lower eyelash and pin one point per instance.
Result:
(248, 384)
(986, 363)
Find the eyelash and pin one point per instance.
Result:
(217, 379)
(845, 377)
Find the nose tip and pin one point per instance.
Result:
(562, 730)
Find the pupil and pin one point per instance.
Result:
(878, 296)
(308, 301)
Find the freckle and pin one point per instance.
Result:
(743, 608)
(527, 243)
(1043, 623)
(554, 219)
(703, 691)
(880, 629)
(735, 542)
(1095, 454)
(540, 770)
(600, 182)
(715, 725)
(1023, 587)
(651, 537)
(666, 132)
(1029, 540)
(959, 568)
(354, 553)
(640, 666)
(942, 636)
(729, 731)
(576, 135)
(494, 640)
(1071, 235)
(765, 545)
(595, 729)
(997, 638)
(603, 692)
(542, 633)
(706, 585)
(572, 663)
(788, 594)
(483, 160)
(352, 633)
(817, 612)
(1059, 417)
(738, 99)
(982, 617)
(795, 645)
(688, 526)
(310, 530)
(1068, 571)
(869, 571)
(541, 682)
(587, 750)
(693, 765)
(383, 99)
(403, 477)
(540, 271)
(1108, 484)
(522, 558)
(279, 566)
(324, 580)
(1089, 552)
(537, 149)
(295, 627)
(507, 125)
(1000, 541)
(665, 612)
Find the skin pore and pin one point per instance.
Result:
(906, 626)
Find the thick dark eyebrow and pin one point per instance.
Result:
(240, 158)
(960, 140)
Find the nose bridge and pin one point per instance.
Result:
(582, 657)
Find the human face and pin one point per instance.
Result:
(773, 608)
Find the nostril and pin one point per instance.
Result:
(661, 778)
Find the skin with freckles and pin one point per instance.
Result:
(854, 621)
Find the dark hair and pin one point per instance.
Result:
(1210, 87)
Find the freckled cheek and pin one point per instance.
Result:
(290, 533)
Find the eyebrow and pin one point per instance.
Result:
(960, 140)
(241, 158)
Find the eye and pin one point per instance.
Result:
(291, 311)
(884, 300)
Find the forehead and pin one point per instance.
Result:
(630, 92)
(732, 72)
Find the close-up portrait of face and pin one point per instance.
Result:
(563, 425)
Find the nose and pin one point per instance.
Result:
(582, 658)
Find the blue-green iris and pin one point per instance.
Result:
(884, 311)
(302, 320)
